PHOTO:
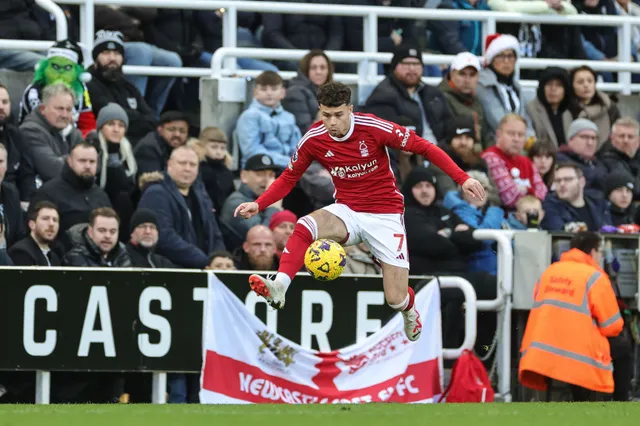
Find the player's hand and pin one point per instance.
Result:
(474, 188)
(247, 210)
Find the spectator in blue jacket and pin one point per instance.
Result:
(478, 214)
(570, 208)
(186, 221)
(453, 37)
(265, 127)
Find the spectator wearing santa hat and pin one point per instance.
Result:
(498, 89)
(282, 224)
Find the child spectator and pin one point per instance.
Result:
(215, 161)
(221, 261)
(265, 127)
(528, 214)
(478, 215)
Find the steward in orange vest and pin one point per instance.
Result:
(574, 311)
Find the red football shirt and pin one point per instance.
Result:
(359, 164)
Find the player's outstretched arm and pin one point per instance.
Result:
(247, 210)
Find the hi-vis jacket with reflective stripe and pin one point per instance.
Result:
(574, 311)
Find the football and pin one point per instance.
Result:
(325, 260)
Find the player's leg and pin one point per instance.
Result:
(385, 236)
(401, 298)
(323, 223)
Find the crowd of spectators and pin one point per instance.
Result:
(100, 168)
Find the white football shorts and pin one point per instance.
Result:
(383, 233)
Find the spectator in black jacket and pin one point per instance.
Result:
(18, 22)
(619, 192)
(108, 85)
(18, 171)
(144, 238)
(37, 249)
(117, 169)
(188, 228)
(622, 151)
(402, 94)
(307, 32)
(130, 21)
(75, 192)
(440, 243)
(10, 210)
(96, 243)
(600, 43)
(153, 151)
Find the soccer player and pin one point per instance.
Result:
(369, 207)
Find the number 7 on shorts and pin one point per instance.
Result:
(401, 238)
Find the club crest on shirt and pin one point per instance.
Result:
(364, 151)
(133, 103)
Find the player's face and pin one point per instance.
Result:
(336, 120)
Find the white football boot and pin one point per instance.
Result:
(271, 290)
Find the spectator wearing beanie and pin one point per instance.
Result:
(498, 89)
(117, 166)
(402, 95)
(109, 85)
(619, 192)
(282, 224)
(144, 238)
(582, 142)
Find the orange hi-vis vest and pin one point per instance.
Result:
(574, 311)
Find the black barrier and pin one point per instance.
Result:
(123, 320)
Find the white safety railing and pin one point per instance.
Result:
(470, 318)
(370, 14)
(502, 304)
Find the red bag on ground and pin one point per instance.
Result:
(469, 381)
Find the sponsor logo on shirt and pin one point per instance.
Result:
(356, 171)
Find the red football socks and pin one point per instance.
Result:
(292, 258)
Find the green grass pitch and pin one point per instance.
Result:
(561, 414)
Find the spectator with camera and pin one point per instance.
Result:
(38, 248)
(571, 208)
(528, 214)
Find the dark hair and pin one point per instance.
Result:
(34, 209)
(571, 165)
(269, 78)
(586, 241)
(305, 63)
(333, 94)
(171, 116)
(574, 104)
(541, 148)
(220, 253)
(103, 212)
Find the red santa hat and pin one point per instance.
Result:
(495, 44)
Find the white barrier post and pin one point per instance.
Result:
(470, 315)
(159, 388)
(230, 34)
(58, 15)
(87, 26)
(624, 56)
(43, 387)
(501, 304)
